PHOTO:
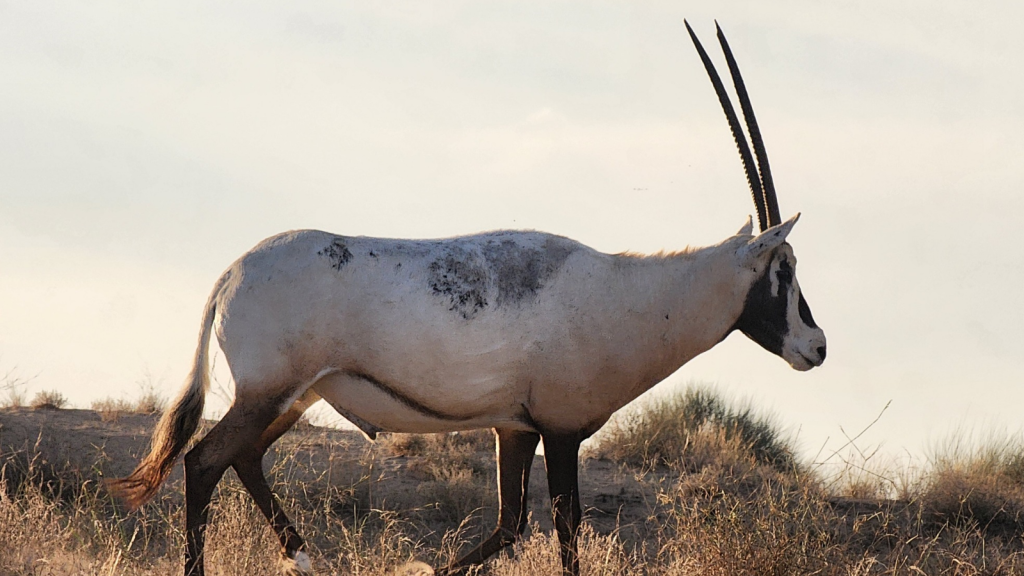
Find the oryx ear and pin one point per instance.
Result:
(748, 228)
(767, 240)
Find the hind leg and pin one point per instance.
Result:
(239, 430)
(249, 467)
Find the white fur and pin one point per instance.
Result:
(300, 565)
(414, 569)
(747, 228)
(801, 344)
(768, 240)
(595, 334)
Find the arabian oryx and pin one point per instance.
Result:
(534, 335)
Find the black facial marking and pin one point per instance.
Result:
(337, 252)
(403, 399)
(805, 315)
(784, 275)
(461, 280)
(764, 315)
(519, 271)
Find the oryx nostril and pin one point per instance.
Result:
(821, 353)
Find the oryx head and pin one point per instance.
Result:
(775, 314)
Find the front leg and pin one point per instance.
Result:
(561, 456)
(515, 455)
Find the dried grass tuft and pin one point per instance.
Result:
(149, 401)
(693, 430)
(48, 400)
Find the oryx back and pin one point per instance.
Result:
(403, 335)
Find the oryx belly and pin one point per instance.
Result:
(375, 406)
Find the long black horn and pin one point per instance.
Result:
(753, 179)
(767, 185)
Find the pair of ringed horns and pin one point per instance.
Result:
(759, 179)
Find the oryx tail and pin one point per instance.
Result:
(177, 425)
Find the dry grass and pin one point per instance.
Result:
(49, 400)
(455, 470)
(60, 521)
(14, 397)
(692, 430)
(977, 485)
(736, 504)
(110, 409)
(13, 387)
(149, 401)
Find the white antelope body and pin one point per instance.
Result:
(532, 334)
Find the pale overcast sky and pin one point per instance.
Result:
(144, 147)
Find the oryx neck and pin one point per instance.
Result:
(679, 305)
